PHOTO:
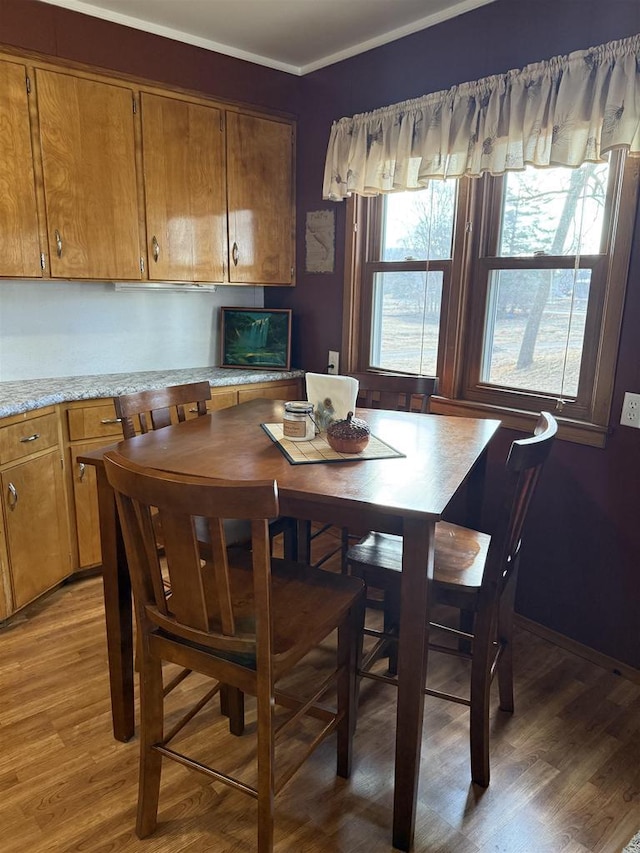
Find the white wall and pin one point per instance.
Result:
(51, 328)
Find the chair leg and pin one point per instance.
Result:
(344, 547)
(467, 618)
(290, 539)
(505, 638)
(232, 706)
(151, 732)
(266, 768)
(480, 696)
(303, 542)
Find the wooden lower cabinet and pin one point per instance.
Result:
(88, 425)
(34, 510)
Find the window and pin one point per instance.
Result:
(509, 289)
(407, 283)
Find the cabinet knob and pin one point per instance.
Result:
(81, 469)
(234, 254)
(58, 243)
(13, 496)
(155, 248)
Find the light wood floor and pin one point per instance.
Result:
(565, 767)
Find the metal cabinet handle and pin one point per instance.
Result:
(81, 468)
(58, 243)
(111, 420)
(13, 496)
(234, 254)
(155, 248)
(34, 437)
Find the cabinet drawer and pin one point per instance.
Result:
(222, 400)
(284, 391)
(28, 437)
(93, 422)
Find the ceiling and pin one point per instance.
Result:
(296, 36)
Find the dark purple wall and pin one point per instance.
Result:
(580, 572)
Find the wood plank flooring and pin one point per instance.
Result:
(565, 767)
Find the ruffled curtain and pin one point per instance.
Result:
(562, 112)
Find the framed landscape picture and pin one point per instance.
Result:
(258, 338)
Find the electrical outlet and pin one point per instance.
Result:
(631, 410)
(333, 364)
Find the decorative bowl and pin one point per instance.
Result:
(348, 436)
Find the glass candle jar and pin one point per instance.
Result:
(298, 423)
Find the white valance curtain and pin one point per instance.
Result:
(561, 112)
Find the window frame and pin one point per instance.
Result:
(583, 420)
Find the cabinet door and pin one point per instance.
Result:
(88, 160)
(185, 189)
(37, 539)
(5, 575)
(19, 241)
(260, 200)
(85, 499)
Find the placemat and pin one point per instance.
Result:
(318, 450)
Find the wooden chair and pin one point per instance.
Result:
(246, 624)
(162, 407)
(393, 391)
(475, 574)
(159, 408)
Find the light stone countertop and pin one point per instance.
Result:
(24, 395)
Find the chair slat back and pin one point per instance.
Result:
(395, 392)
(525, 461)
(199, 608)
(160, 407)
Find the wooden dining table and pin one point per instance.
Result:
(442, 457)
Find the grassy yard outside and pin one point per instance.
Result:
(559, 339)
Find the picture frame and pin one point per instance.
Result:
(255, 338)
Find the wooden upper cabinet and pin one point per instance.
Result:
(89, 168)
(185, 189)
(260, 169)
(86, 179)
(19, 240)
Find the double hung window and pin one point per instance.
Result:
(510, 289)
